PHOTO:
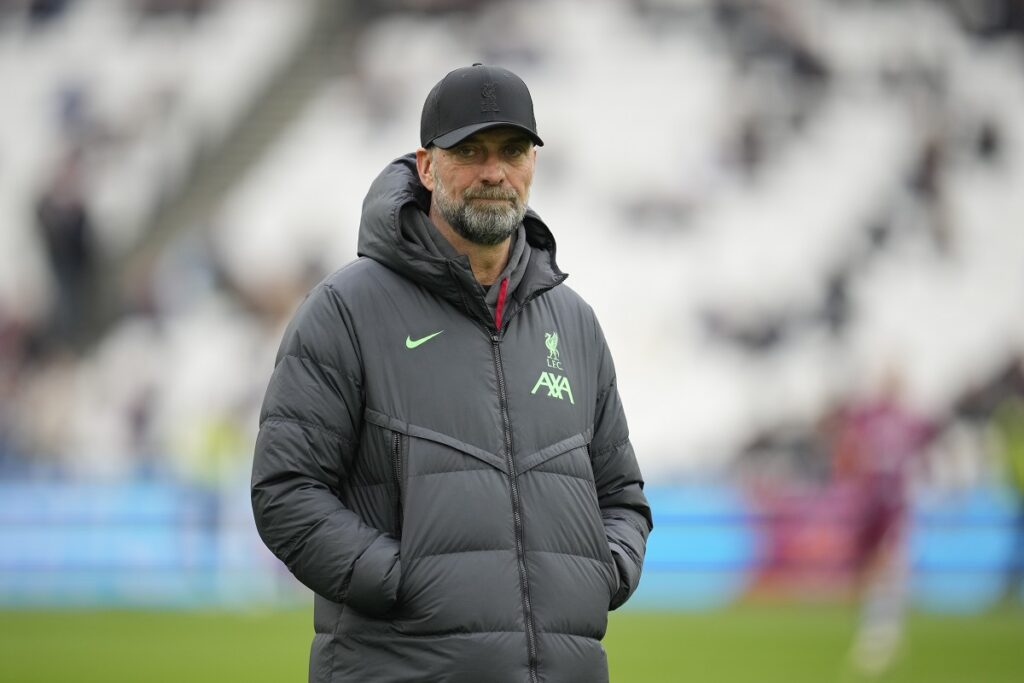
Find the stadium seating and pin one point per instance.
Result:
(768, 212)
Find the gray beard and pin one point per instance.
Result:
(484, 225)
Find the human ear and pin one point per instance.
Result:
(425, 168)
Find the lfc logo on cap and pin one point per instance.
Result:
(489, 97)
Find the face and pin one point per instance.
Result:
(481, 185)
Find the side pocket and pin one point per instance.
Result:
(612, 568)
(397, 449)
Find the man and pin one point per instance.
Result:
(443, 458)
(878, 442)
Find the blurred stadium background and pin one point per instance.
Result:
(775, 207)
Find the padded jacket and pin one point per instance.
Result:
(462, 499)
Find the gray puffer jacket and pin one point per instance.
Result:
(463, 499)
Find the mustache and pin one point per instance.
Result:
(492, 193)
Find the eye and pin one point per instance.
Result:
(465, 151)
(515, 151)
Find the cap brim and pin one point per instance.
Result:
(459, 134)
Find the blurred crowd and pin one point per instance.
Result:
(39, 12)
(804, 172)
(111, 104)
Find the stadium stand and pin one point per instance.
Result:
(662, 103)
(791, 209)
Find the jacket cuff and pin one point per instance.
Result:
(373, 588)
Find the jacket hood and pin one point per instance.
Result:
(395, 211)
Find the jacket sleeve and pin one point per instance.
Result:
(308, 437)
(624, 508)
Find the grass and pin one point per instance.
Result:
(136, 646)
(756, 644)
(808, 645)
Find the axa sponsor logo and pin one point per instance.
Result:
(556, 384)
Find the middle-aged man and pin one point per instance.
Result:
(443, 457)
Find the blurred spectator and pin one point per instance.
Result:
(835, 308)
(12, 352)
(927, 182)
(997, 407)
(140, 413)
(38, 12)
(1008, 425)
(875, 445)
(68, 236)
(44, 11)
(989, 142)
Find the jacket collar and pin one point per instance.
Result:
(395, 213)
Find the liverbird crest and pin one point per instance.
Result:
(551, 341)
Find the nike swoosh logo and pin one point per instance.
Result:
(413, 343)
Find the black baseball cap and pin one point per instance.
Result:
(475, 98)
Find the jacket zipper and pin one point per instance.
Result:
(495, 330)
(517, 516)
(396, 469)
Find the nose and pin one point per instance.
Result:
(492, 170)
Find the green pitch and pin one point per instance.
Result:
(740, 645)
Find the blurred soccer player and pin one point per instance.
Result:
(876, 444)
